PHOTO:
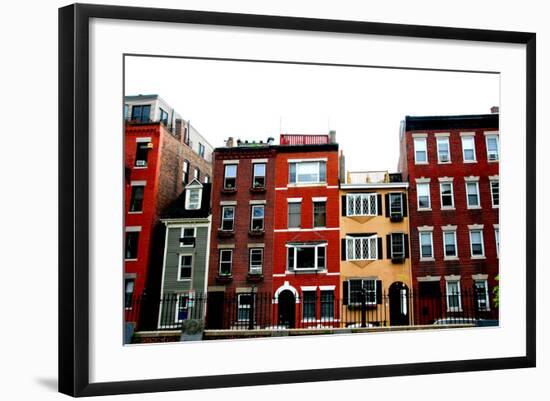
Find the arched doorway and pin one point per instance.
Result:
(399, 304)
(287, 309)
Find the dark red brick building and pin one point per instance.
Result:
(452, 165)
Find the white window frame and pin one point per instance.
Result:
(497, 240)
(487, 301)
(445, 256)
(441, 195)
(182, 235)
(403, 244)
(316, 256)
(443, 140)
(416, 141)
(188, 198)
(464, 139)
(225, 168)
(247, 307)
(420, 234)
(187, 296)
(487, 137)
(324, 202)
(222, 218)
(421, 184)
(254, 174)
(482, 256)
(180, 265)
(400, 196)
(302, 163)
(255, 269)
(220, 252)
(288, 215)
(321, 303)
(371, 198)
(458, 294)
(478, 206)
(314, 317)
(351, 249)
(491, 182)
(252, 218)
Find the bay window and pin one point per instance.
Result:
(306, 256)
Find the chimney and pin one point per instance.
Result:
(270, 140)
(332, 136)
(342, 167)
(494, 110)
(229, 142)
(179, 129)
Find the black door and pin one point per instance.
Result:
(399, 304)
(286, 309)
(429, 302)
(214, 310)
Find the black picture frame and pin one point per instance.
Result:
(74, 198)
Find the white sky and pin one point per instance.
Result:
(363, 105)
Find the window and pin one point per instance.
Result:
(201, 150)
(257, 218)
(319, 214)
(423, 194)
(396, 205)
(141, 154)
(126, 111)
(182, 308)
(472, 194)
(476, 243)
(163, 116)
(397, 245)
(136, 199)
(185, 172)
(454, 303)
(426, 245)
(185, 267)
(468, 149)
(128, 292)
(482, 295)
(309, 301)
(206, 179)
(359, 288)
(197, 174)
(327, 305)
(443, 153)
(420, 152)
(492, 147)
(495, 199)
(362, 204)
(447, 198)
(258, 179)
(187, 237)
(449, 244)
(131, 247)
(230, 176)
(226, 262)
(193, 197)
(497, 241)
(256, 261)
(245, 302)
(306, 256)
(294, 214)
(228, 218)
(362, 248)
(307, 172)
(141, 113)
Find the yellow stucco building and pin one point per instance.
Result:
(375, 268)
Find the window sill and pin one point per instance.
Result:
(470, 161)
(258, 189)
(493, 161)
(481, 257)
(229, 191)
(449, 162)
(140, 212)
(305, 271)
(224, 278)
(496, 207)
(445, 208)
(427, 259)
(256, 233)
(307, 184)
(180, 280)
(450, 258)
(140, 167)
(424, 210)
(474, 207)
(455, 311)
(421, 163)
(226, 233)
(130, 260)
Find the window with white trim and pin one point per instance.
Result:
(309, 301)
(182, 308)
(447, 196)
(423, 195)
(492, 144)
(185, 172)
(468, 149)
(476, 243)
(362, 248)
(327, 305)
(396, 204)
(256, 260)
(230, 176)
(307, 172)
(187, 238)
(397, 245)
(193, 197)
(185, 267)
(319, 214)
(244, 307)
(228, 218)
(226, 262)
(257, 218)
(497, 241)
(356, 289)
(420, 151)
(495, 192)
(258, 175)
(362, 204)
(128, 292)
(449, 244)
(131, 245)
(454, 301)
(142, 152)
(426, 245)
(472, 194)
(443, 150)
(482, 295)
(136, 198)
(306, 256)
(294, 214)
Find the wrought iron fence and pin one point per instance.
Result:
(263, 311)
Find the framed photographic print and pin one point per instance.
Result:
(276, 199)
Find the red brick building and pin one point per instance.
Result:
(452, 165)
(306, 249)
(241, 251)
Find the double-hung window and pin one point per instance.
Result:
(426, 245)
(142, 150)
(497, 241)
(258, 179)
(492, 147)
(449, 244)
(420, 151)
(447, 198)
(307, 172)
(182, 307)
(495, 198)
(256, 260)
(136, 199)
(128, 292)
(362, 289)
(294, 214)
(185, 172)
(482, 295)
(362, 204)
(423, 194)
(454, 302)
(131, 246)
(396, 204)
(193, 198)
(306, 256)
(245, 302)
(443, 150)
(185, 267)
(468, 149)
(472, 195)
(187, 238)
(397, 245)
(230, 176)
(228, 218)
(226, 262)
(257, 218)
(476, 243)
(319, 214)
(308, 304)
(362, 248)
(327, 305)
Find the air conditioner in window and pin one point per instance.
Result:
(444, 158)
(150, 145)
(140, 163)
(493, 156)
(188, 241)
